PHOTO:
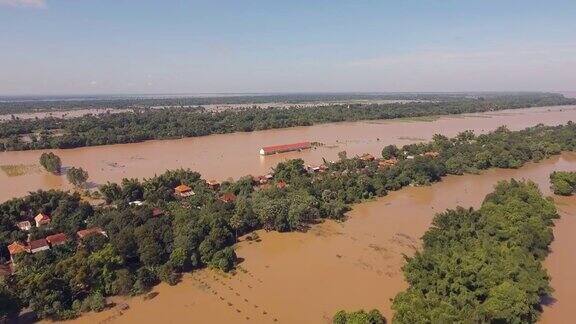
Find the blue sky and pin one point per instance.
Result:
(129, 46)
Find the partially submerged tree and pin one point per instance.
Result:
(77, 176)
(51, 162)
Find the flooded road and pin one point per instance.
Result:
(307, 277)
(233, 155)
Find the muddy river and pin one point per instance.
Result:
(307, 277)
(234, 155)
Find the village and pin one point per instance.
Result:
(181, 191)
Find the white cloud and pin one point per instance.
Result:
(38, 4)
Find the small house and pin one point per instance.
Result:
(57, 239)
(183, 191)
(259, 180)
(431, 154)
(228, 197)
(41, 220)
(281, 184)
(17, 248)
(312, 168)
(38, 245)
(367, 157)
(157, 212)
(213, 184)
(91, 231)
(24, 226)
(387, 163)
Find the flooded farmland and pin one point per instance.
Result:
(307, 277)
(234, 155)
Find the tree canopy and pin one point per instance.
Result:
(563, 182)
(482, 266)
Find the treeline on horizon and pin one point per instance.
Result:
(482, 266)
(27, 104)
(169, 123)
(201, 230)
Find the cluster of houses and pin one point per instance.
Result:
(183, 191)
(40, 220)
(385, 163)
(49, 241)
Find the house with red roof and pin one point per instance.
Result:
(228, 197)
(42, 219)
(281, 184)
(268, 150)
(157, 212)
(38, 245)
(91, 231)
(57, 239)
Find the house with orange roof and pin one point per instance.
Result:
(387, 163)
(17, 248)
(432, 154)
(42, 219)
(183, 191)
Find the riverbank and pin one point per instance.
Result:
(306, 277)
(234, 155)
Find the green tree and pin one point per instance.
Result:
(77, 176)
(359, 317)
(51, 162)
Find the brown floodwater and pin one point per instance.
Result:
(226, 156)
(307, 277)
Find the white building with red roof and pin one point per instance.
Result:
(268, 150)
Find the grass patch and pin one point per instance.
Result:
(15, 170)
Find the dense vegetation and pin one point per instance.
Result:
(51, 162)
(482, 266)
(146, 124)
(170, 235)
(563, 182)
(359, 317)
